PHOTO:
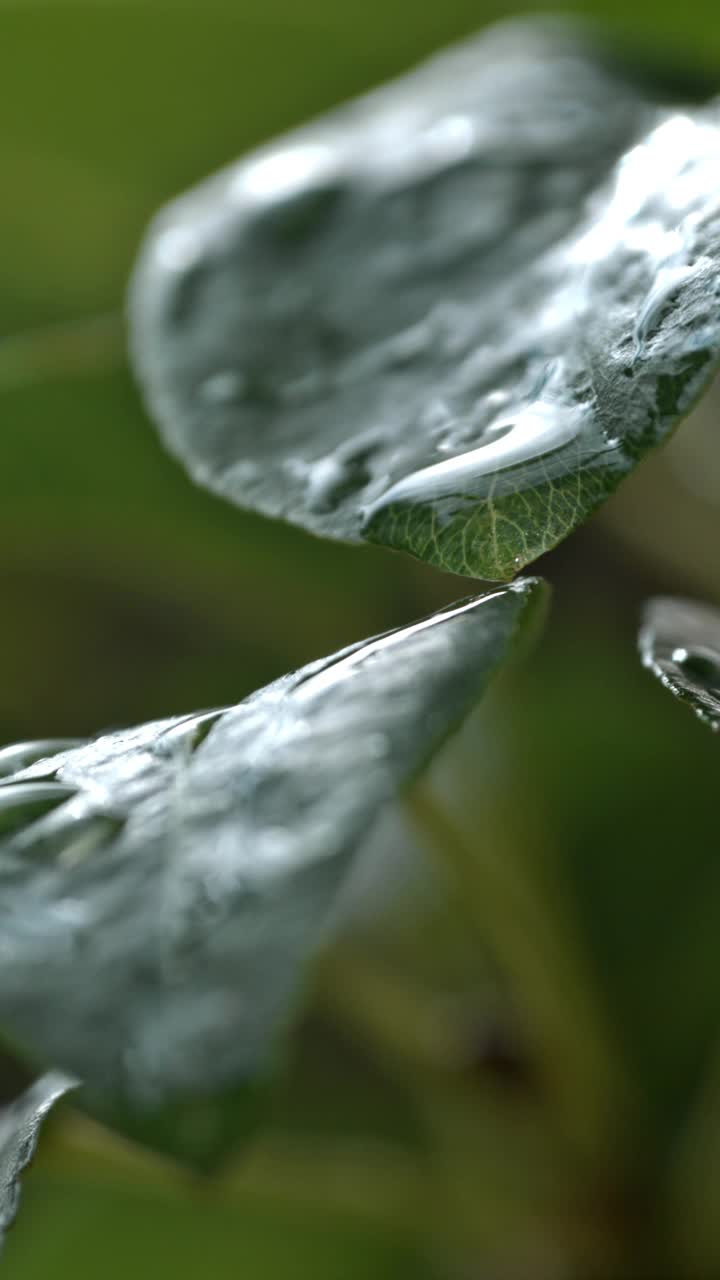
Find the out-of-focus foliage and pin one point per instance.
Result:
(528, 1071)
(540, 252)
(112, 106)
(166, 891)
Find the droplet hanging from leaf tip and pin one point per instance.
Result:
(680, 644)
(703, 669)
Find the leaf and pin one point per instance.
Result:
(449, 318)
(20, 1124)
(164, 888)
(146, 518)
(255, 67)
(680, 644)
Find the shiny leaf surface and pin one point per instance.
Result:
(448, 318)
(680, 644)
(164, 888)
(20, 1124)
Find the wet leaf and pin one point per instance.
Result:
(20, 1124)
(680, 644)
(448, 318)
(158, 921)
(22, 754)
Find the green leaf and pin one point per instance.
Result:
(680, 644)
(164, 888)
(449, 318)
(20, 1124)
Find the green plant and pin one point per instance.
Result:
(457, 268)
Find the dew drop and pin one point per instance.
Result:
(436, 418)
(535, 432)
(449, 140)
(178, 248)
(699, 666)
(333, 477)
(669, 280)
(326, 482)
(283, 173)
(223, 387)
(184, 738)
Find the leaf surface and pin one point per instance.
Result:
(448, 318)
(20, 1124)
(164, 888)
(680, 644)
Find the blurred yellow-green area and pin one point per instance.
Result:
(515, 1076)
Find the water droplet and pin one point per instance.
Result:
(345, 471)
(700, 666)
(245, 472)
(534, 433)
(301, 215)
(449, 141)
(185, 738)
(279, 174)
(224, 387)
(327, 479)
(177, 248)
(667, 283)
(498, 399)
(436, 418)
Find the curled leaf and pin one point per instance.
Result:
(448, 318)
(158, 918)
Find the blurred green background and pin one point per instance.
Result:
(515, 1081)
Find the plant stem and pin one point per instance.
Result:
(524, 921)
